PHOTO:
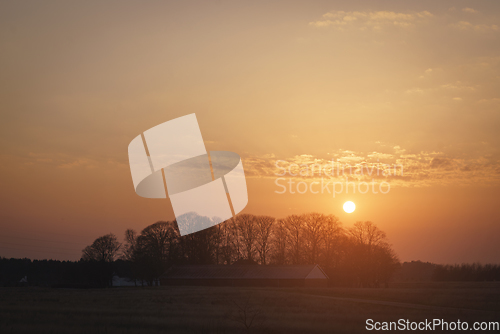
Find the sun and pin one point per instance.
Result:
(349, 207)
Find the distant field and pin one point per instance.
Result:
(240, 310)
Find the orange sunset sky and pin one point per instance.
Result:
(415, 83)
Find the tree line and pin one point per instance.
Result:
(359, 255)
(466, 272)
(415, 271)
(60, 274)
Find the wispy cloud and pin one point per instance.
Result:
(59, 160)
(82, 162)
(397, 167)
(381, 20)
(458, 85)
(469, 10)
(480, 28)
(374, 20)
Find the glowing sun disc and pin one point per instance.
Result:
(349, 207)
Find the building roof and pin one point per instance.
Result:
(312, 271)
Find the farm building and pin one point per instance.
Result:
(246, 275)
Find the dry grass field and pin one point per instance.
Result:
(240, 310)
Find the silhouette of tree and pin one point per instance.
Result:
(99, 258)
(373, 260)
(155, 249)
(314, 229)
(130, 244)
(295, 227)
(264, 229)
(104, 248)
(246, 227)
(235, 240)
(334, 237)
(367, 233)
(227, 249)
(200, 247)
(359, 255)
(279, 242)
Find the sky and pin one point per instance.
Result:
(285, 83)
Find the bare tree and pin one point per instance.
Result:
(264, 226)
(333, 236)
(367, 233)
(154, 249)
(245, 224)
(200, 247)
(158, 239)
(373, 259)
(385, 262)
(233, 240)
(279, 242)
(229, 243)
(104, 248)
(314, 226)
(294, 225)
(359, 255)
(130, 244)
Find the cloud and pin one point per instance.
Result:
(455, 88)
(458, 86)
(375, 20)
(469, 10)
(494, 100)
(380, 156)
(397, 167)
(82, 162)
(480, 28)
(414, 91)
(399, 150)
(441, 163)
(381, 20)
(60, 160)
(430, 72)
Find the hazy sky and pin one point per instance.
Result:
(408, 82)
